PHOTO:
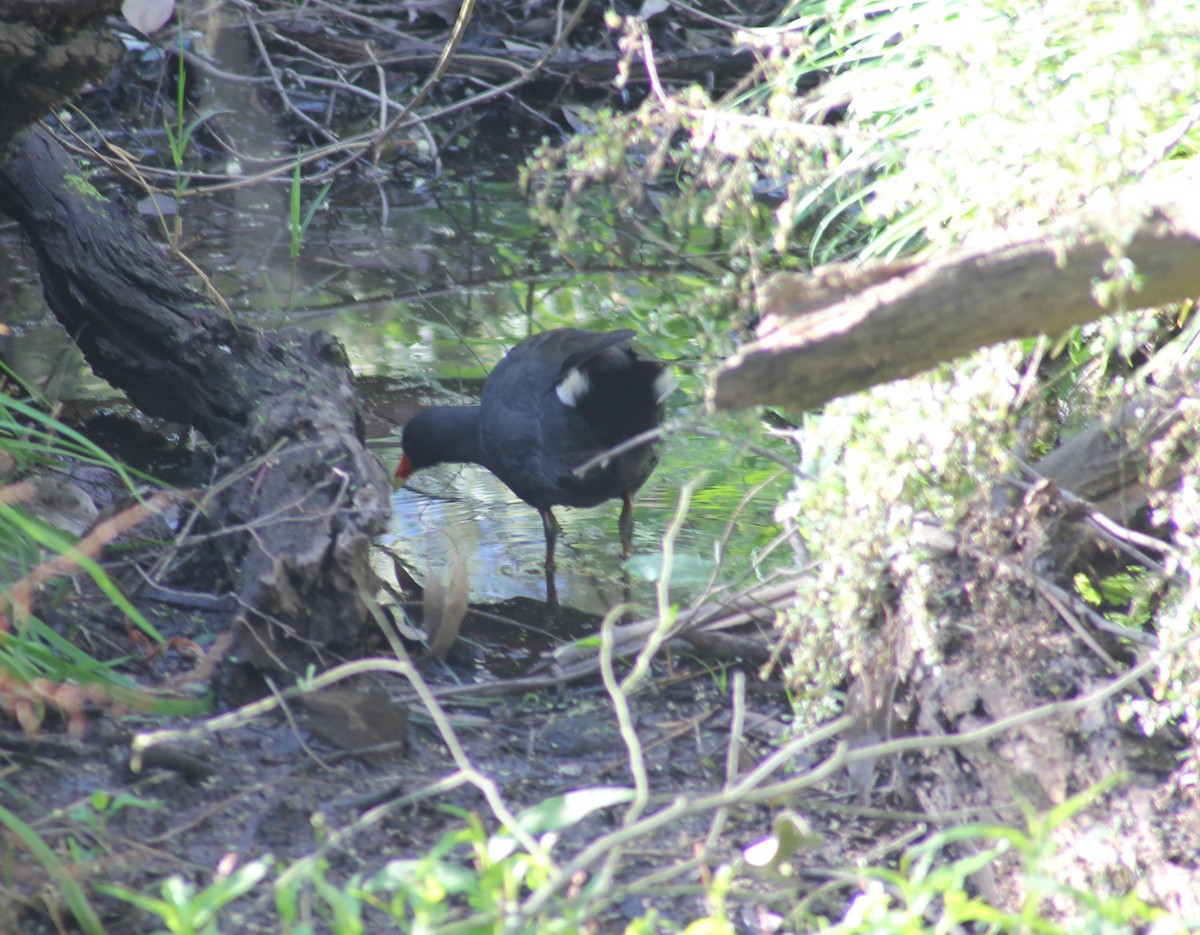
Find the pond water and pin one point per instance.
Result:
(427, 290)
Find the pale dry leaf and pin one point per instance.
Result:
(653, 8)
(445, 606)
(445, 10)
(790, 834)
(515, 45)
(62, 505)
(355, 717)
(432, 601)
(147, 16)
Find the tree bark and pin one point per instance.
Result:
(49, 49)
(838, 331)
(298, 495)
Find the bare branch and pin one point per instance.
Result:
(839, 331)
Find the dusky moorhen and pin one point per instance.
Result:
(555, 401)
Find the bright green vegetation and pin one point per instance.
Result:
(43, 670)
(937, 123)
(470, 880)
(940, 122)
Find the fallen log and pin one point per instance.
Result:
(295, 490)
(842, 329)
(839, 330)
(48, 50)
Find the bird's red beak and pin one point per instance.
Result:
(403, 469)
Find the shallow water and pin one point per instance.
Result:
(426, 296)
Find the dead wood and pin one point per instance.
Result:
(299, 521)
(590, 69)
(838, 331)
(752, 612)
(48, 49)
(1117, 463)
(593, 68)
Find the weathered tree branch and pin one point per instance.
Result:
(837, 332)
(48, 49)
(304, 519)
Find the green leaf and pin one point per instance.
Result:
(561, 811)
(72, 892)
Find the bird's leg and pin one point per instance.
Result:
(625, 526)
(552, 529)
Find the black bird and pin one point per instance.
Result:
(555, 401)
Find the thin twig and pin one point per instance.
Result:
(1064, 612)
(692, 427)
(1122, 537)
(273, 73)
(401, 666)
(733, 750)
(403, 121)
(295, 728)
(451, 45)
(301, 869)
(680, 807)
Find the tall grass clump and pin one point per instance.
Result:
(41, 669)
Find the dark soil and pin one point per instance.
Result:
(277, 785)
(285, 784)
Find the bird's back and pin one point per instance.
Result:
(560, 398)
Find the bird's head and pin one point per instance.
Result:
(403, 469)
(422, 444)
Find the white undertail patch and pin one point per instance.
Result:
(664, 385)
(573, 387)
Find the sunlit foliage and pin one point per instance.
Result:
(869, 130)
